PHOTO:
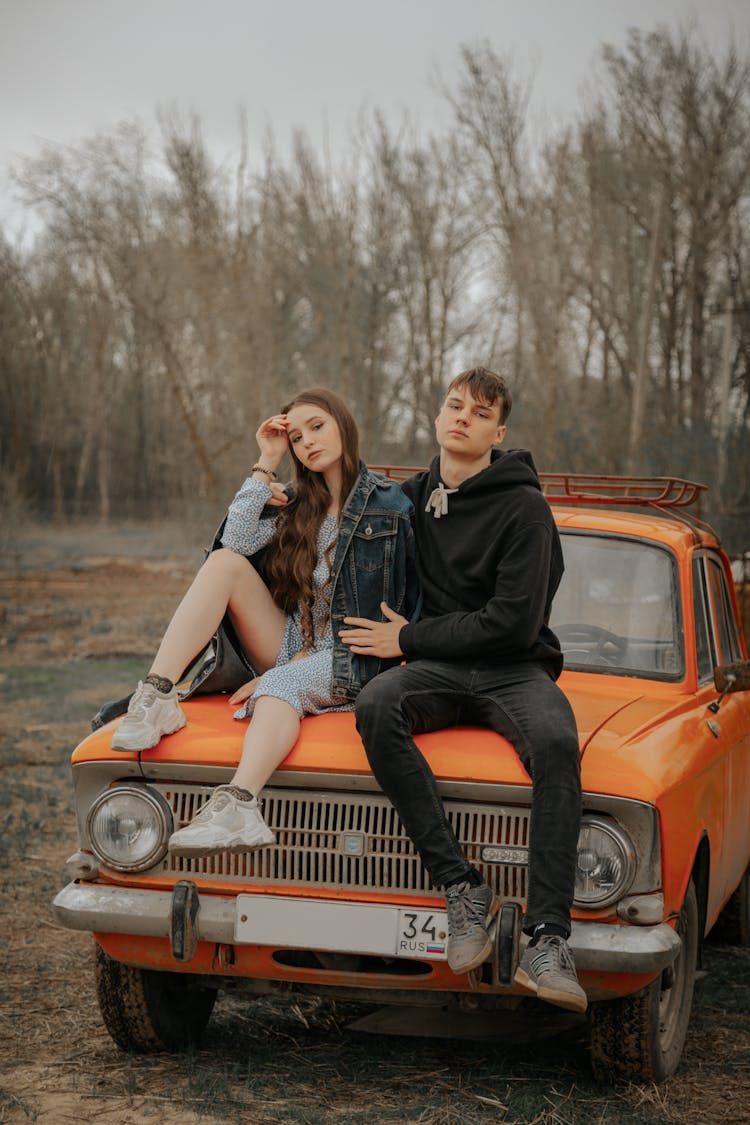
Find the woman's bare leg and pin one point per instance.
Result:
(272, 733)
(225, 581)
(232, 819)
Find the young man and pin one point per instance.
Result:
(490, 561)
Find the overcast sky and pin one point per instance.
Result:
(70, 68)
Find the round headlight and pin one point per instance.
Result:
(606, 863)
(129, 827)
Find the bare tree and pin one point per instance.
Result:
(529, 216)
(686, 116)
(435, 286)
(168, 304)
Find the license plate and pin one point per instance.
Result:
(344, 927)
(422, 933)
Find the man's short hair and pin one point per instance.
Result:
(485, 386)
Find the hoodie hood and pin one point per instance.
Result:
(507, 468)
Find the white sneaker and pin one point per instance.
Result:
(224, 824)
(151, 714)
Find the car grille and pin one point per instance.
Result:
(353, 841)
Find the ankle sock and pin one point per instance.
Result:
(161, 683)
(547, 929)
(238, 792)
(472, 877)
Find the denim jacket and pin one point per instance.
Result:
(374, 562)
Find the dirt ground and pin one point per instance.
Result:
(80, 614)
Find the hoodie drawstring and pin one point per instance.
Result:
(438, 500)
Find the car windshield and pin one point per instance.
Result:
(617, 608)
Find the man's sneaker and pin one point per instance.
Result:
(547, 968)
(151, 715)
(470, 910)
(224, 824)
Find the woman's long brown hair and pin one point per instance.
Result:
(293, 552)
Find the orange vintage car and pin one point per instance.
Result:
(656, 670)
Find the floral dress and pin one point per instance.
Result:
(305, 684)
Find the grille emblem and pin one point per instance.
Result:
(352, 843)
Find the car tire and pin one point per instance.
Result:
(145, 1010)
(733, 924)
(641, 1037)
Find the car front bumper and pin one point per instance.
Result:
(596, 946)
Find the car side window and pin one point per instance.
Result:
(704, 649)
(726, 627)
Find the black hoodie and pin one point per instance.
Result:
(489, 567)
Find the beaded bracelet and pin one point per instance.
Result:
(262, 469)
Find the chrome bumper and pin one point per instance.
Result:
(596, 946)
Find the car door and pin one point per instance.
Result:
(720, 644)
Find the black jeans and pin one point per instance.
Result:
(520, 702)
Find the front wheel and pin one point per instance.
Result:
(145, 1010)
(641, 1037)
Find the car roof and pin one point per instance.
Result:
(675, 531)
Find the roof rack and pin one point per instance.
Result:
(397, 472)
(587, 490)
(591, 489)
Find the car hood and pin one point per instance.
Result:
(633, 734)
(609, 715)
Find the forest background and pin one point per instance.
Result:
(167, 303)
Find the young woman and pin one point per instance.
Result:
(338, 541)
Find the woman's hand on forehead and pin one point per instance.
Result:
(271, 437)
(276, 424)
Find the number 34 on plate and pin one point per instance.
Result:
(422, 933)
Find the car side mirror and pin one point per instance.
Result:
(729, 678)
(732, 677)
